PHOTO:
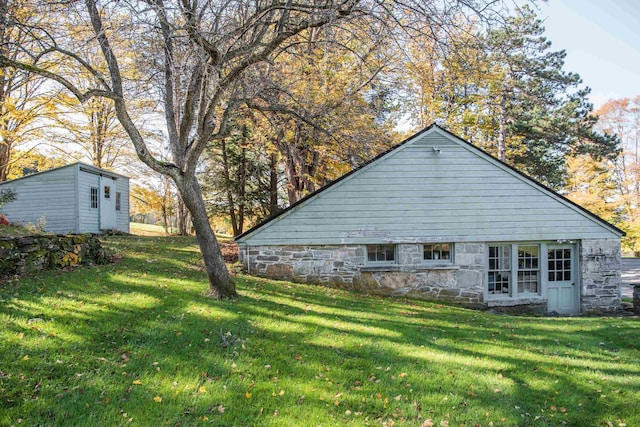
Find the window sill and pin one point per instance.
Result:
(424, 267)
(386, 267)
(407, 268)
(508, 301)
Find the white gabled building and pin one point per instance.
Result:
(438, 218)
(76, 198)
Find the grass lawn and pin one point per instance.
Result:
(140, 229)
(137, 343)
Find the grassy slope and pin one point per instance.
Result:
(137, 343)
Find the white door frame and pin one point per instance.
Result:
(562, 285)
(107, 203)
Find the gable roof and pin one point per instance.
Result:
(430, 129)
(83, 166)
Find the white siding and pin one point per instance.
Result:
(122, 216)
(89, 218)
(415, 193)
(50, 195)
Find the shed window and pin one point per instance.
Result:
(118, 196)
(438, 252)
(94, 197)
(107, 192)
(381, 253)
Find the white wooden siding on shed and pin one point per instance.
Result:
(122, 216)
(89, 217)
(416, 193)
(51, 195)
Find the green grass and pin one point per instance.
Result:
(138, 343)
(140, 229)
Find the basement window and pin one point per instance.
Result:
(381, 254)
(438, 253)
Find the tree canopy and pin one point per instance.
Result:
(193, 57)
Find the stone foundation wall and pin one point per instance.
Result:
(600, 263)
(20, 255)
(345, 267)
(464, 281)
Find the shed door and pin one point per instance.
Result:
(107, 198)
(562, 288)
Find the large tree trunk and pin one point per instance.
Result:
(183, 217)
(5, 153)
(228, 184)
(220, 284)
(243, 188)
(273, 185)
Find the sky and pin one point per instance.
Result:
(602, 41)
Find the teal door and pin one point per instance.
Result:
(562, 288)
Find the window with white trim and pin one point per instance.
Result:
(559, 265)
(118, 197)
(528, 269)
(94, 198)
(381, 254)
(438, 252)
(499, 280)
(514, 270)
(107, 192)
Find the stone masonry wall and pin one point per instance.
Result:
(600, 261)
(20, 255)
(345, 267)
(462, 282)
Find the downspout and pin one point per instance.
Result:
(245, 247)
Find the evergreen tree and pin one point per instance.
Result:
(507, 92)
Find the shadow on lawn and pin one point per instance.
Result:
(309, 353)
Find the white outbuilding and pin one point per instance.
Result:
(76, 198)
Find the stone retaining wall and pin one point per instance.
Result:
(20, 255)
(600, 264)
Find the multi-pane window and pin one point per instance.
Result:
(118, 196)
(528, 269)
(381, 253)
(499, 269)
(94, 197)
(107, 192)
(438, 252)
(521, 270)
(559, 263)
